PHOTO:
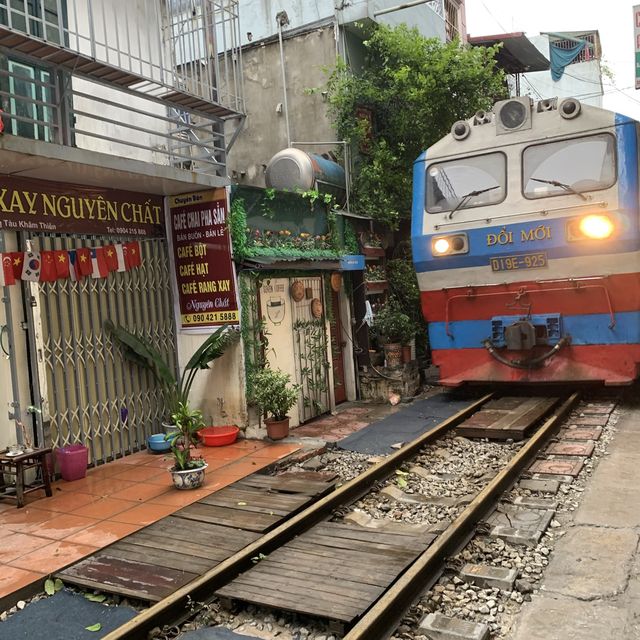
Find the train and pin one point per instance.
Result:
(526, 245)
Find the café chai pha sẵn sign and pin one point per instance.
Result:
(202, 256)
(43, 206)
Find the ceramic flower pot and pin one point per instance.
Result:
(406, 353)
(188, 478)
(277, 429)
(169, 428)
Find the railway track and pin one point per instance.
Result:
(363, 580)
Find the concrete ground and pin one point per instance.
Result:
(591, 587)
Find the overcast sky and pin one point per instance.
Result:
(613, 19)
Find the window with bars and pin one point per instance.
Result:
(39, 18)
(452, 15)
(590, 52)
(29, 100)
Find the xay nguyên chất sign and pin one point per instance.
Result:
(43, 206)
(204, 271)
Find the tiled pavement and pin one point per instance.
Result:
(332, 428)
(111, 502)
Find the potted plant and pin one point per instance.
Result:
(394, 329)
(176, 389)
(187, 472)
(274, 397)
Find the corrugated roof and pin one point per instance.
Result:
(517, 55)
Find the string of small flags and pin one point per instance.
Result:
(49, 266)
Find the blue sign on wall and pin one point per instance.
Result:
(352, 263)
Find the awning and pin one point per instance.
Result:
(267, 263)
(345, 263)
(517, 54)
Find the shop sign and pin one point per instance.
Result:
(204, 271)
(42, 206)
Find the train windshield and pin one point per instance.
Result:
(569, 166)
(466, 182)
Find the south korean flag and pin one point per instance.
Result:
(31, 268)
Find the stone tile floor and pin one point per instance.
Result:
(111, 502)
(350, 417)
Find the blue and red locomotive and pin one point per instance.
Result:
(526, 243)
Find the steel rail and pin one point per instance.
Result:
(171, 608)
(383, 617)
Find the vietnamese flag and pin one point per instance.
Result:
(17, 262)
(48, 267)
(6, 270)
(83, 262)
(111, 257)
(61, 259)
(99, 267)
(132, 255)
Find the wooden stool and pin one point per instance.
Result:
(17, 465)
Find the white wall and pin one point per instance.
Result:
(225, 380)
(7, 426)
(276, 310)
(120, 131)
(582, 80)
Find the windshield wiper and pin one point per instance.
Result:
(562, 185)
(465, 198)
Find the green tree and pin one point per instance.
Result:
(415, 88)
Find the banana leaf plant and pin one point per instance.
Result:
(175, 388)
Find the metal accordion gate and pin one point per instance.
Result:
(90, 393)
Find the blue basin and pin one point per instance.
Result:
(157, 444)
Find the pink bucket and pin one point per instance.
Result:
(73, 461)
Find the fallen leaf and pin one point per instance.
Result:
(95, 597)
(49, 587)
(58, 584)
(94, 627)
(242, 504)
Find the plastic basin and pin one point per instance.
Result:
(157, 444)
(218, 436)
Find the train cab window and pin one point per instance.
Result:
(569, 166)
(466, 182)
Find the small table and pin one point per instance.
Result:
(17, 465)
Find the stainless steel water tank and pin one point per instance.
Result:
(294, 169)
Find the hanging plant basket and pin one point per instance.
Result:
(297, 291)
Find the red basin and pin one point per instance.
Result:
(218, 436)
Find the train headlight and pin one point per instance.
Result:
(441, 246)
(447, 245)
(591, 227)
(596, 227)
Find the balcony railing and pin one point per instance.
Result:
(156, 78)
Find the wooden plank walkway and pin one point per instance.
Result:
(508, 417)
(334, 570)
(152, 563)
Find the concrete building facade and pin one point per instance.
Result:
(108, 108)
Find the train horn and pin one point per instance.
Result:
(460, 129)
(570, 108)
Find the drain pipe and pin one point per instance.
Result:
(283, 20)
